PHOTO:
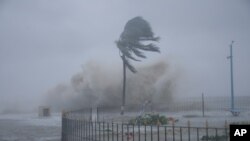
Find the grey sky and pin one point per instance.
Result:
(44, 42)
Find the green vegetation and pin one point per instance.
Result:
(149, 119)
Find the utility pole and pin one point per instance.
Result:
(203, 106)
(233, 111)
(124, 86)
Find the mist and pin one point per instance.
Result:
(101, 85)
(44, 43)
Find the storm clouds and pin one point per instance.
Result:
(47, 43)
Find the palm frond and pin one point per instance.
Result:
(126, 51)
(137, 52)
(148, 47)
(136, 30)
(156, 39)
(127, 64)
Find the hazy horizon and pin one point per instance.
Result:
(45, 43)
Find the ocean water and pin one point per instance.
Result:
(30, 127)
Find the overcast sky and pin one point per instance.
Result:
(44, 42)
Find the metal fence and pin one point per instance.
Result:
(216, 103)
(201, 106)
(80, 126)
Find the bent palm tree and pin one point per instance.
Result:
(130, 44)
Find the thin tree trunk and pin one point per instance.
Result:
(124, 86)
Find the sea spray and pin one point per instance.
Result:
(99, 85)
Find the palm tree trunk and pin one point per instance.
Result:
(124, 86)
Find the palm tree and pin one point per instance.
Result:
(132, 43)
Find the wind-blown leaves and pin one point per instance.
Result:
(148, 47)
(126, 51)
(136, 30)
(127, 63)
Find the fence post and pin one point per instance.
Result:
(89, 126)
(133, 132)
(92, 130)
(122, 131)
(158, 133)
(108, 130)
(97, 113)
(180, 133)
(165, 132)
(198, 136)
(112, 131)
(91, 114)
(151, 133)
(63, 126)
(207, 130)
(103, 130)
(99, 132)
(216, 134)
(188, 130)
(95, 130)
(173, 130)
(117, 133)
(139, 132)
(226, 129)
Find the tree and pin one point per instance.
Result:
(132, 43)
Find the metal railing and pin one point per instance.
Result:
(79, 126)
(201, 104)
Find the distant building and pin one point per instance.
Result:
(44, 111)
